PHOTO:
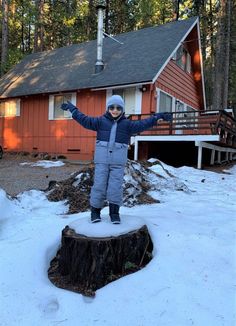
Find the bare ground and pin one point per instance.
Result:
(15, 178)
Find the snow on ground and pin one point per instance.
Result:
(44, 163)
(190, 281)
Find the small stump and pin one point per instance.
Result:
(84, 264)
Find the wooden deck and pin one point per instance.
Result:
(213, 130)
(220, 124)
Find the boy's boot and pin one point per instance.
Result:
(114, 213)
(95, 214)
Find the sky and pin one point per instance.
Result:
(191, 279)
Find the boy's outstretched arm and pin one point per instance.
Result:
(86, 121)
(145, 124)
(164, 116)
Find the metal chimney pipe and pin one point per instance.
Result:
(99, 63)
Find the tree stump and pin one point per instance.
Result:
(84, 264)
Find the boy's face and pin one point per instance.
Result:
(115, 110)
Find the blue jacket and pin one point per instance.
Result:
(113, 136)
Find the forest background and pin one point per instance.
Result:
(41, 25)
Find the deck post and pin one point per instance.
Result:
(212, 156)
(199, 157)
(227, 152)
(135, 150)
(227, 156)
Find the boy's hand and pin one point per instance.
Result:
(163, 116)
(68, 106)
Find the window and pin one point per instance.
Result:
(183, 59)
(165, 102)
(188, 63)
(10, 108)
(132, 97)
(55, 101)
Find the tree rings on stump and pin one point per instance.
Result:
(86, 263)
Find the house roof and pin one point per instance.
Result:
(138, 60)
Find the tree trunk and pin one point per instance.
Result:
(212, 51)
(227, 50)
(204, 23)
(176, 10)
(84, 264)
(38, 33)
(218, 88)
(4, 50)
(107, 16)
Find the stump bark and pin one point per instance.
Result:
(84, 264)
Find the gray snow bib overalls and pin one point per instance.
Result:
(110, 153)
(110, 159)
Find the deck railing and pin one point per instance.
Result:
(196, 123)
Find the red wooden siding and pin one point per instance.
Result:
(185, 86)
(179, 84)
(149, 100)
(32, 131)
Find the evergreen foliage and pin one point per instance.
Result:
(30, 26)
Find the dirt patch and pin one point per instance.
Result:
(220, 168)
(16, 178)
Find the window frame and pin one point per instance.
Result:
(51, 106)
(187, 109)
(159, 91)
(3, 113)
(183, 59)
(137, 108)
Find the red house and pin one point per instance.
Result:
(156, 69)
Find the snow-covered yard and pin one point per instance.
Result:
(190, 281)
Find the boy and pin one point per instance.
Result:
(113, 134)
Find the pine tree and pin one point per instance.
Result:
(4, 45)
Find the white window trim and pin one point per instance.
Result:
(137, 99)
(174, 99)
(51, 106)
(18, 101)
(158, 91)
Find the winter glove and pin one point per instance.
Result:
(164, 116)
(68, 106)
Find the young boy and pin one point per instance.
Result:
(113, 134)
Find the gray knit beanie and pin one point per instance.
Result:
(116, 100)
